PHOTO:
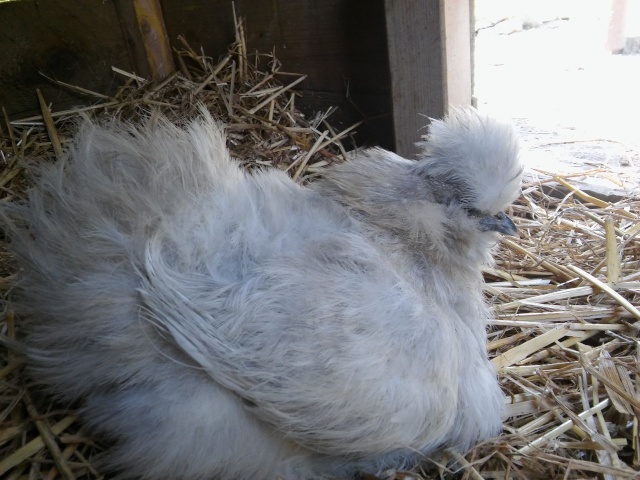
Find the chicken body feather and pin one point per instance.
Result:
(220, 324)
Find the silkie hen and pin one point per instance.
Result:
(216, 324)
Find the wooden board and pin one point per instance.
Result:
(430, 63)
(391, 63)
(76, 42)
(417, 66)
(458, 43)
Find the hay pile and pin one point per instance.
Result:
(565, 338)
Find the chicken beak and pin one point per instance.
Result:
(498, 223)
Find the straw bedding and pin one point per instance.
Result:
(565, 335)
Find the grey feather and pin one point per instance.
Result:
(220, 324)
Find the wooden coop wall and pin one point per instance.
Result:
(339, 44)
(391, 61)
(76, 42)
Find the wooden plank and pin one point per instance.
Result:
(339, 44)
(430, 63)
(73, 41)
(133, 38)
(154, 38)
(416, 61)
(457, 49)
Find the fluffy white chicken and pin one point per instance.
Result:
(213, 323)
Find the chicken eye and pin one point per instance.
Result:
(473, 212)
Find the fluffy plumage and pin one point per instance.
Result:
(220, 324)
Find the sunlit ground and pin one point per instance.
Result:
(545, 65)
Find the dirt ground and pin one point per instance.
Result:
(543, 63)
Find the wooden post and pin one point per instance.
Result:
(457, 51)
(154, 38)
(144, 29)
(429, 47)
(616, 37)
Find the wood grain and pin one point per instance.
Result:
(150, 23)
(76, 42)
(416, 58)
